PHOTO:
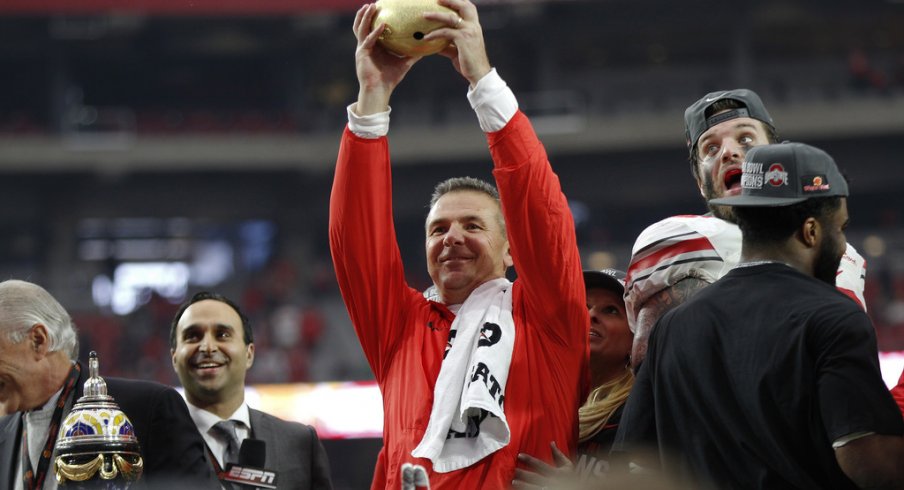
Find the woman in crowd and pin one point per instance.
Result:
(611, 379)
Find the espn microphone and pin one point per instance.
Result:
(250, 471)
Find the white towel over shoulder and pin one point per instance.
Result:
(467, 421)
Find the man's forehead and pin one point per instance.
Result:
(465, 195)
(465, 202)
(599, 291)
(732, 125)
(209, 311)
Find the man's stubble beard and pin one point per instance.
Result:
(722, 212)
(826, 267)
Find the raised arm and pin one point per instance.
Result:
(365, 254)
(539, 223)
(378, 71)
(541, 231)
(466, 49)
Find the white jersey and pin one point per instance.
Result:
(702, 247)
(705, 248)
(851, 276)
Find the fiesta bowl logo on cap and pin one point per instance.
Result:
(817, 183)
(776, 175)
(752, 176)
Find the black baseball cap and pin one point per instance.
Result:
(785, 174)
(611, 279)
(696, 122)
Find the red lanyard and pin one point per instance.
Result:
(221, 473)
(34, 480)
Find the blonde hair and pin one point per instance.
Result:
(603, 401)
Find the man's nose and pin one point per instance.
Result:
(454, 236)
(731, 150)
(208, 344)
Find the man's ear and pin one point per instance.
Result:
(507, 258)
(39, 340)
(249, 351)
(810, 232)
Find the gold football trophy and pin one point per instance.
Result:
(96, 445)
(406, 26)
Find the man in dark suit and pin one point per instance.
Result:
(213, 348)
(40, 382)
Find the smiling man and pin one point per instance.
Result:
(675, 258)
(478, 368)
(212, 347)
(40, 381)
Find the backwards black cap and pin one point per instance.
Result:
(611, 279)
(696, 122)
(785, 174)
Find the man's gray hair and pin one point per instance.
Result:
(463, 184)
(456, 184)
(24, 305)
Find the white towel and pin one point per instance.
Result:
(467, 421)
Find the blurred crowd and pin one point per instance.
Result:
(303, 333)
(298, 325)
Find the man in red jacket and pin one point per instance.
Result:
(477, 369)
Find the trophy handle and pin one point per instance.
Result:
(129, 471)
(77, 472)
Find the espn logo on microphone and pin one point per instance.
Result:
(254, 477)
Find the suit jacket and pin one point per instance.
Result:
(173, 451)
(294, 451)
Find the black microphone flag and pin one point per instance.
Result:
(250, 469)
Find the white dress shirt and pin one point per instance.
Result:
(205, 421)
(37, 424)
(491, 98)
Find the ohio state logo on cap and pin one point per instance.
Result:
(776, 175)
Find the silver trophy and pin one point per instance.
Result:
(96, 446)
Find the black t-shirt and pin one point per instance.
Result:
(593, 454)
(748, 384)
